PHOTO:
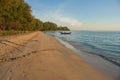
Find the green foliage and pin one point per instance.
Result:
(49, 26)
(16, 15)
(63, 29)
(38, 25)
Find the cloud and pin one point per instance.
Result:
(58, 16)
(67, 21)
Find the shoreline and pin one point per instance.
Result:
(98, 62)
(101, 64)
(45, 58)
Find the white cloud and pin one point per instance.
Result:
(67, 21)
(57, 17)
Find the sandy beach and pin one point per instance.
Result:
(37, 56)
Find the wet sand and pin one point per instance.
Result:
(106, 67)
(41, 57)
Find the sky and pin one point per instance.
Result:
(79, 14)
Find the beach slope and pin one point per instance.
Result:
(38, 56)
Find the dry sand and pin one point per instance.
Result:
(43, 58)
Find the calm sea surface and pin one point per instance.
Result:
(103, 44)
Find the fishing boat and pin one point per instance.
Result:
(65, 32)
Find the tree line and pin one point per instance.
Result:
(16, 15)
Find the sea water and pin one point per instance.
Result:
(101, 43)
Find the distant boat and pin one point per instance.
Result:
(65, 32)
